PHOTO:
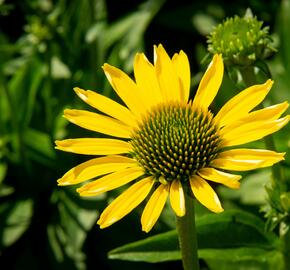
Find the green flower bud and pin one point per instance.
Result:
(241, 41)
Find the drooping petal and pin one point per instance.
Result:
(205, 194)
(250, 132)
(210, 83)
(154, 207)
(227, 179)
(166, 75)
(177, 198)
(107, 106)
(110, 181)
(126, 202)
(181, 64)
(146, 80)
(246, 159)
(94, 168)
(125, 88)
(94, 146)
(242, 103)
(98, 123)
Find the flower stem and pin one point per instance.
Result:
(187, 236)
(286, 249)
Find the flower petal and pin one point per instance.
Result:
(94, 146)
(110, 181)
(126, 202)
(251, 131)
(154, 207)
(146, 80)
(242, 103)
(205, 194)
(94, 168)
(246, 159)
(268, 113)
(227, 179)
(182, 68)
(166, 75)
(98, 123)
(210, 83)
(125, 88)
(177, 198)
(107, 106)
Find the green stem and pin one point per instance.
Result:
(286, 249)
(187, 236)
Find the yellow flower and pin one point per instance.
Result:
(167, 144)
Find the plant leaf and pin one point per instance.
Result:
(231, 229)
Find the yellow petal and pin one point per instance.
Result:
(93, 146)
(251, 131)
(204, 193)
(227, 179)
(210, 83)
(266, 114)
(242, 103)
(154, 207)
(182, 68)
(126, 202)
(107, 106)
(94, 168)
(146, 80)
(98, 123)
(246, 159)
(166, 75)
(110, 181)
(177, 198)
(125, 88)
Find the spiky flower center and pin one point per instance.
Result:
(175, 141)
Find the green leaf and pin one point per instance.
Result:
(242, 259)
(14, 220)
(231, 229)
(23, 87)
(39, 147)
(68, 230)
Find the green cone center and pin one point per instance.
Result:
(175, 141)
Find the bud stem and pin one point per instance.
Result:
(187, 236)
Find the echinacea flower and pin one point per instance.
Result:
(168, 145)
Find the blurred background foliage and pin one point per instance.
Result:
(47, 48)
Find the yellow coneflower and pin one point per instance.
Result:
(167, 144)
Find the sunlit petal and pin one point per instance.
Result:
(166, 75)
(250, 132)
(181, 64)
(210, 83)
(126, 202)
(204, 193)
(246, 159)
(94, 168)
(107, 106)
(110, 181)
(94, 146)
(98, 123)
(242, 103)
(227, 179)
(154, 207)
(177, 198)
